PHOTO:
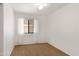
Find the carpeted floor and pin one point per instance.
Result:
(42, 49)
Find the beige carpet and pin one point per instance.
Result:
(42, 49)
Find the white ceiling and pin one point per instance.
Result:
(31, 8)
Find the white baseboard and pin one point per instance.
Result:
(11, 50)
(52, 44)
(31, 43)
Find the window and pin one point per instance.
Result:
(27, 26)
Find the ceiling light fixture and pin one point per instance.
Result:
(40, 6)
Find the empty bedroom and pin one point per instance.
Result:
(39, 29)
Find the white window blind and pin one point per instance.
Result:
(21, 26)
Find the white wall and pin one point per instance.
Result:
(63, 29)
(8, 29)
(1, 29)
(39, 37)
